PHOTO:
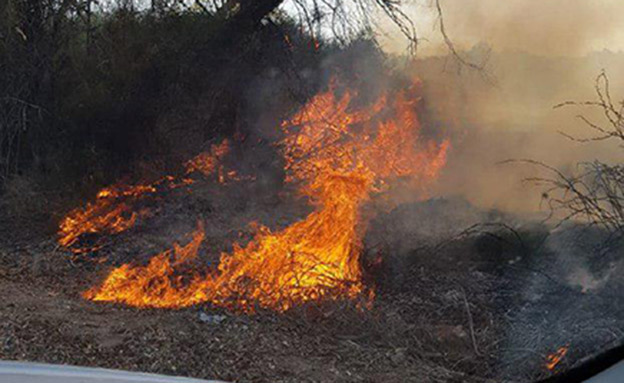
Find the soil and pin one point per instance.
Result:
(468, 308)
(422, 338)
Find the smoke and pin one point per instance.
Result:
(540, 54)
(514, 119)
(489, 123)
(551, 28)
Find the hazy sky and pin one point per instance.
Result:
(549, 27)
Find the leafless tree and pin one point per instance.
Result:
(595, 193)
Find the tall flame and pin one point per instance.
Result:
(338, 155)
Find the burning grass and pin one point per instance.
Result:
(116, 208)
(552, 360)
(338, 154)
(333, 342)
(444, 317)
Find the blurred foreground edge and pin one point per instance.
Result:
(26, 372)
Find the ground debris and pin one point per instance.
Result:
(211, 319)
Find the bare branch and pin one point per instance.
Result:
(480, 67)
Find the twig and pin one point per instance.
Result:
(470, 322)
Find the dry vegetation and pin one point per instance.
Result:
(93, 94)
(594, 192)
(440, 325)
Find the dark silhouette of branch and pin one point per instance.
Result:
(593, 193)
(459, 57)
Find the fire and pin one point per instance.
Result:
(339, 156)
(113, 210)
(552, 360)
(207, 162)
(156, 284)
(110, 213)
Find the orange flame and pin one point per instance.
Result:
(337, 154)
(112, 211)
(156, 284)
(552, 360)
(207, 162)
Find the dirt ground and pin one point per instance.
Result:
(484, 307)
(423, 338)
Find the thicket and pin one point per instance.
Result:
(89, 93)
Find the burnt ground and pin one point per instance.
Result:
(455, 303)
